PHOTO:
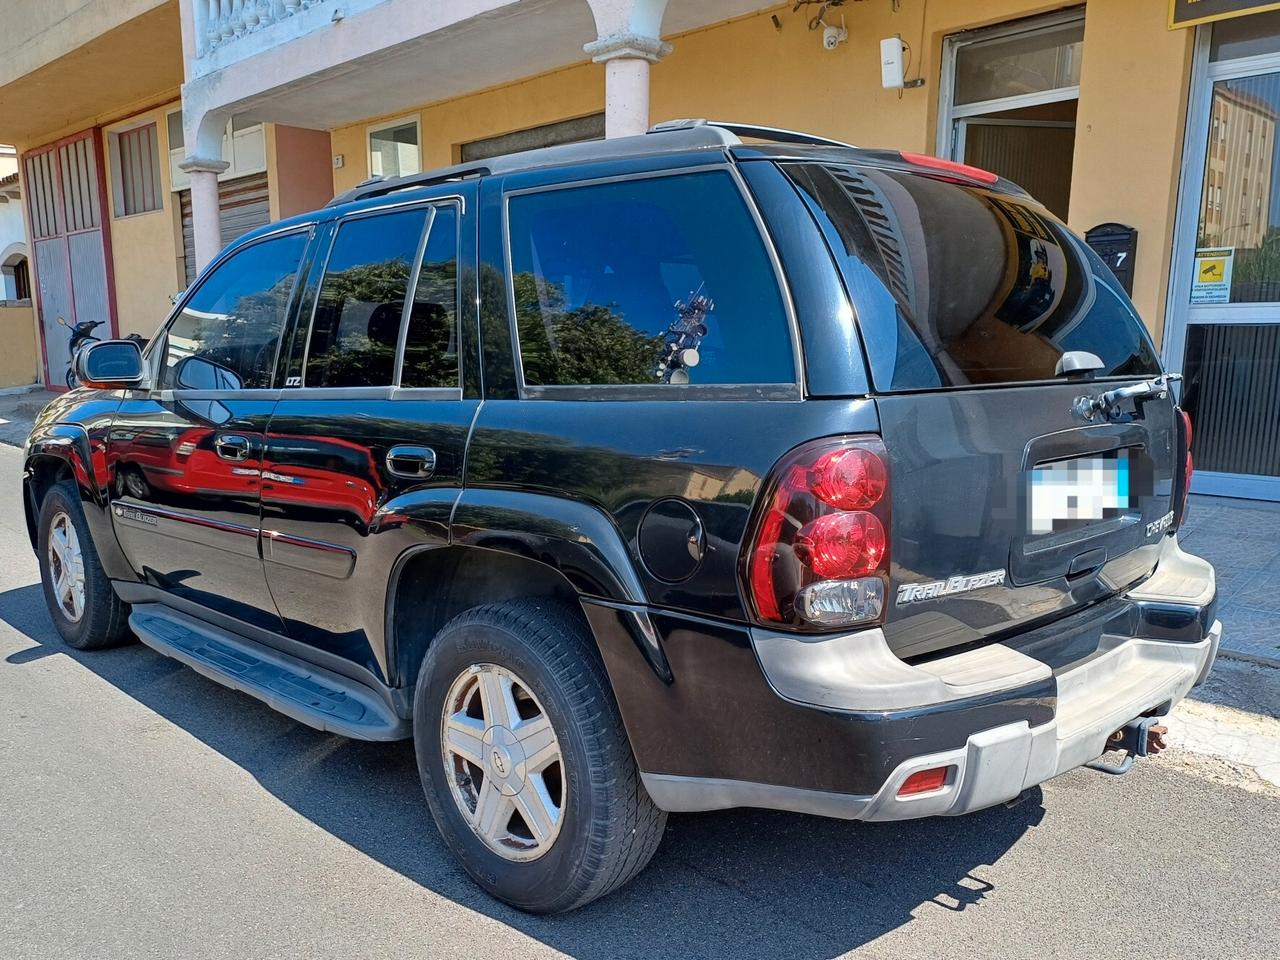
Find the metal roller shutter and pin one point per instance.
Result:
(243, 205)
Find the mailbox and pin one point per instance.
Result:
(1117, 245)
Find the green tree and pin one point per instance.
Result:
(586, 344)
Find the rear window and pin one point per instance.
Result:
(652, 281)
(958, 286)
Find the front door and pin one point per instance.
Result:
(364, 456)
(1008, 103)
(1223, 329)
(65, 200)
(186, 458)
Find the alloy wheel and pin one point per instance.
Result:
(66, 567)
(504, 763)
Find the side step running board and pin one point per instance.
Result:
(303, 691)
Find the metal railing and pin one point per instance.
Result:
(219, 22)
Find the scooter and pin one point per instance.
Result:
(81, 333)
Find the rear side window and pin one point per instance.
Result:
(356, 326)
(235, 317)
(431, 344)
(661, 280)
(957, 285)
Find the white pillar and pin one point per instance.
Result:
(628, 42)
(626, 97)
(206, 218)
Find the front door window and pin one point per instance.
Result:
(236, 317)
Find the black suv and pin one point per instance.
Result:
(720, 466)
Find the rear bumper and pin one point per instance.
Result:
(1133, 678)
(847, 714)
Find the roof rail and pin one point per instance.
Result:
(672, 135)
(751, 130)
(380, 186)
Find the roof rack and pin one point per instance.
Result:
(753, 131)
(665, 137)
(380, 186)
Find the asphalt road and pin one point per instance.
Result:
(148, 812)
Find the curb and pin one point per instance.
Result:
(1261, 659)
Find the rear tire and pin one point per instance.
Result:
(603, 827)
(80, 598)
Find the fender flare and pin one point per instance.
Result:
(575, 541)
(575, 538)
(70, 444)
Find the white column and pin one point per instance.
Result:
(628, 40)
(206, 221)
(626, 97)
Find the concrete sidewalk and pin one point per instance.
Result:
(1241, 538)
(17, 411)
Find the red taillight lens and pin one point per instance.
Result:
(950, 166)
(820, 552)
(924, 781)
(851, 478)
(1188, 468)
(841, 545)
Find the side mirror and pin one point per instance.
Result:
(110, 365)
(201, 373)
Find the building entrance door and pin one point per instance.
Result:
(1009, 98)
(65, 191)
(1223, 325)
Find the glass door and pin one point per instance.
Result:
(1224, 313)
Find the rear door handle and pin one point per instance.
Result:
(232, 447)
(414, 463)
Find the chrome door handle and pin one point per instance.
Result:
(232, 447)
(414, 463)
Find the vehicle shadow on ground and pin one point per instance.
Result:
(735, 884)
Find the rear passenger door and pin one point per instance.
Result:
(363, 455)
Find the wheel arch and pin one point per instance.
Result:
(417, 609)
(40, 474)
(64, 451)
(504, 545)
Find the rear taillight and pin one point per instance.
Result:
(819, 556)
(1185, 464)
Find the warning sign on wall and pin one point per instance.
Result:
(1212, 280)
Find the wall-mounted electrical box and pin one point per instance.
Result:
(891, 63)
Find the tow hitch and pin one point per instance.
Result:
(1138, 738)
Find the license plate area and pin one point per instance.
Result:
(1082, 490)
(1064, 496)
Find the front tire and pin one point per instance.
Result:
(80, 598)
(524, 759)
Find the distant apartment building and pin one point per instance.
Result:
(1236, 206)
(183, 123)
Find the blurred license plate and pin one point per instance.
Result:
(1073, 493)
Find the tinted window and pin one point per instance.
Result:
(431, 345)
(356, 326)
(236, 316)
(956, 285)
(659, 280)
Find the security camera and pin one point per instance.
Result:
(832, 37)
